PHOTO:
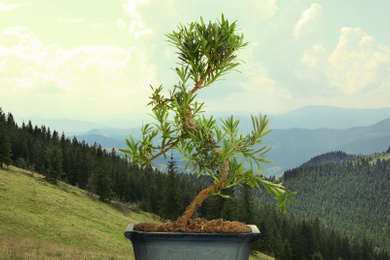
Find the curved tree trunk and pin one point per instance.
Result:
(204, 194)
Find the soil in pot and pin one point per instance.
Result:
(197, 225)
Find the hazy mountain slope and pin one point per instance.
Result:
(309, 117)
(69, 126)
(314, 117)
(105, 142)
(109, 137)
(292, 147)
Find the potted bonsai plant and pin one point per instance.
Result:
(218, 149)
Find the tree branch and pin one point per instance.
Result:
(204, 194)
(163, 151)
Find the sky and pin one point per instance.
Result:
(95, 60)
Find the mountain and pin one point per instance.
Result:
(105, 142)
(109, 137)
(292, 147)
(83, 166)
(308, 117)
(297, 136)
(314, 117)
(350, 197)
(73, 127)
(69, 126)
(338, 157)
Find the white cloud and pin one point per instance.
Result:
(314, 64)
(358, 64)
(308, 20)
(314, 57)
(20, 38)
(97, 26)
(8, 7)
(254, 11)
(85, 78)
(121, 23)
(257, 92)
(137, 26)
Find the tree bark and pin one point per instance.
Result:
(222, 176)
(204, 194)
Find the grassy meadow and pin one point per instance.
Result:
(39, 220)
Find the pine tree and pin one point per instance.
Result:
(245, 205)
(275, 242)
(84, 169)
(317, 256)
(219, 207)
(102, 181)
(228, 211)
(367, 249)
(5, 145)
(171, 200)
(54, 162)
(263, 244)
(214, 207)
(38, 157)
(286, 253)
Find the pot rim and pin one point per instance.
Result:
(130, 229)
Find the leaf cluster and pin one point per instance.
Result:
(216, 148)
(206, 51)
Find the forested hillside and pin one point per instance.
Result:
(338, 157)
(346, 193)
(111, 177)
(88, 167)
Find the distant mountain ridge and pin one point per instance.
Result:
(290, 147)
(297, 136)
(309, 117)
(105, 142)
(314, 117)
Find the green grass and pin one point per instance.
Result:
(260, 256)
(39, 220)
(376, 156)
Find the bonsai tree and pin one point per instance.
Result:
(219, 149)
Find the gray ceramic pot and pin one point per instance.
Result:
(191, 246)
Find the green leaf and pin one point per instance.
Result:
(224, 196)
